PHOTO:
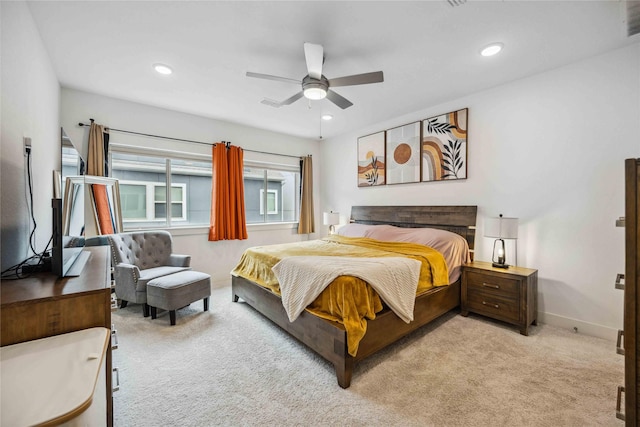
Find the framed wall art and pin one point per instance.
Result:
(371, 160)
(444, 147)
(403, 154)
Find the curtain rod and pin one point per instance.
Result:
(188, 140)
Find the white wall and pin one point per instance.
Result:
(214, 258)
(549, 150)
(30, 108)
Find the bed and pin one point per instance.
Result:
(329, 338)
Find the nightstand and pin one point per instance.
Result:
(510, 295)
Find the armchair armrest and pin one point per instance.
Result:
(176, 260)
(126, 273)
(126, 277)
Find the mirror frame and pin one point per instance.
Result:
(71, 182)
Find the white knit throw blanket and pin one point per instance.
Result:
(303, 278)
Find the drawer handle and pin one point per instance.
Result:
(114, 337)
(619, 346)
(492, 305)
(117, 386)
(619, 413)
(489, 285)
(619, 279)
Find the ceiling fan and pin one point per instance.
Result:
(316, 86)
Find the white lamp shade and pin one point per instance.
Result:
(501, 228)
(331, 218)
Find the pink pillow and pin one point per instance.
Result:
(452, 246)
(354, 230)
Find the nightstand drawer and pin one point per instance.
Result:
(493, 284)
(495, 306)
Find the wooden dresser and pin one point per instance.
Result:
(631, 295)
(45, 305)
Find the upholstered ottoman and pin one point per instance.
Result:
(178, 290)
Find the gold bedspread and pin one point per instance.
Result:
(347, 300)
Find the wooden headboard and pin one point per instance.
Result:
(457, 219)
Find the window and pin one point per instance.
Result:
(280, 184)
(143, 190)
(271, 202)
(133, 201)
(147, 201)
(178, 202)
(271, 190)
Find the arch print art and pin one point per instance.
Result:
(444, 147)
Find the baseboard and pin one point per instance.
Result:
(586, 328)
(220, 283)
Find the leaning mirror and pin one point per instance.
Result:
(105, 212)
(68, 212)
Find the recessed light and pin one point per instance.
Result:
(162, 69)
(491, 49)
(327, 117)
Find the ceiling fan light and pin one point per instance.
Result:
(315, 93)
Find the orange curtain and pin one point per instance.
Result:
(228, 220)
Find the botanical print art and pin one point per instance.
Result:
(371, 165)
(403, 154)
(444, 147)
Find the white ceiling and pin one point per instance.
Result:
(428, 50)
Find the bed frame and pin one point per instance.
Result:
(329, 339)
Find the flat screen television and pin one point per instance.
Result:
(68, 257)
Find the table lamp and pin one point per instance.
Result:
(331, 219)
(500, 228)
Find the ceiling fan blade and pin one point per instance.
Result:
(339, 100)
(314, 54)
(293, 99)
(278, 104)
(271, 103)
(357, 79)
(270, 77)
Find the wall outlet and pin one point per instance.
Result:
(27, 145)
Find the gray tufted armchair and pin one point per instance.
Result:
(137, 258)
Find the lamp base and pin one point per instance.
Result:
(497, 265)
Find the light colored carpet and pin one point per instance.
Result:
(231, 366)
